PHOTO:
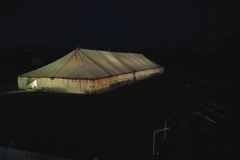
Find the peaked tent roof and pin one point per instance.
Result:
(98, 59)
(126, 61)
(92, 64)
(73, 65)
(134, 61)
(152, 64)
(136, 56)
(115, 62)
(84, 68)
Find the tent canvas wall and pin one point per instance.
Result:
(86, 71)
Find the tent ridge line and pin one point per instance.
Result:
(80, 58)
(64, 65)
(147, 65)
(124, 63)
(131, 60)
(96, 63)
(80, 51)
(77, 61)
(109, 62)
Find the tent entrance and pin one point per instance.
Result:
(31, 84)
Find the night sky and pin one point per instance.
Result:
(197, 25)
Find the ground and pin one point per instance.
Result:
(115, 125)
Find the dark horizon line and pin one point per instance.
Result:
(115, 49)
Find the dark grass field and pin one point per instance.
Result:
(115, 125)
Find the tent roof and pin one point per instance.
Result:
(115, 62)
(92, 64)
(147, 61)
(126, 61)
(98, 59)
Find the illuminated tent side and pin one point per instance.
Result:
(126, 76)
(148, 68)
(32, 84)
(126, 62)
(85, 71)
(143, 71)
(139, 70)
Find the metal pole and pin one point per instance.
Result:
(153, 142)
(155, 133)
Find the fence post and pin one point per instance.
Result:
(154, 134)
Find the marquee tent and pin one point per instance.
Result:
(85, 71)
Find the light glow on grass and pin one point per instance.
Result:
(19, 91)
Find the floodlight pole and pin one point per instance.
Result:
(154, 134)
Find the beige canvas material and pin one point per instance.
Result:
(85, 71)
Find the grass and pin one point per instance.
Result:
(16, 92)
(119, 123)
